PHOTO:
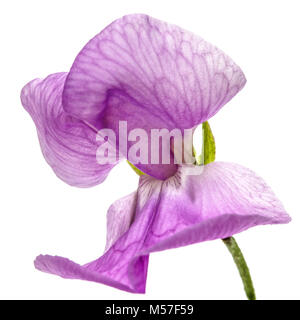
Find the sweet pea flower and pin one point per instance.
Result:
(151, 75)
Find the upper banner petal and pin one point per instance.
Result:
(165, 71)
(151, 74)
(68, 144)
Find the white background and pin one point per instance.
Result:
(259, 128)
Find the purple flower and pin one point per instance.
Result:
(151, 75)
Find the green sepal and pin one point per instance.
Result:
(135, 169)
(209, 147)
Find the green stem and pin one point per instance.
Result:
(241, 264)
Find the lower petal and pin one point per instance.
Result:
(218, 201)
(121, 269)
(197, 204)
